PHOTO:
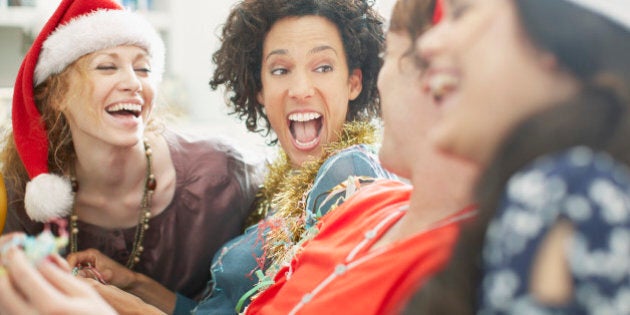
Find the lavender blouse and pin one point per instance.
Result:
(213, 193)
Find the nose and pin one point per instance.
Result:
(431, 42)
(129, 80)
(302, 86)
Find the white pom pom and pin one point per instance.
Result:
(47, 197)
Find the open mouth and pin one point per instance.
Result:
(305, 128)
(441, 85)
(125, 109)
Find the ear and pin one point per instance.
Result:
(59, 106)
(355, 83)
(548, 60)
(260, 97)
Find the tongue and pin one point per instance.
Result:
(122, 113)
(305, 131)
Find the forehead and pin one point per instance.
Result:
(123, 50)
(302, 33)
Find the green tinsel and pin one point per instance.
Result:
(285, 190)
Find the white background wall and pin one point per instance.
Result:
(193, 38)
(191, 29)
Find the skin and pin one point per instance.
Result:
(410, 113)
(118, 75)
(19, 277)
(53, 282)
(110, 165)
(414, 111)
(109, 152)
(399, 86)
(497, 79)
(305, 71)
(109, 148)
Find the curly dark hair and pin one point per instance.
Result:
(238, 61)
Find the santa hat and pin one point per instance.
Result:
(77, 28)
(438, 12)
(618, 11)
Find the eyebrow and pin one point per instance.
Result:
(312, 51)
(137, 57)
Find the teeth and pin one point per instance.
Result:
(307, 144)
(125, 106)
(304, 116)
(441, 84)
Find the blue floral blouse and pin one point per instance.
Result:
(234, 266)
(590, 190)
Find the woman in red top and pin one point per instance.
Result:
(377, 247)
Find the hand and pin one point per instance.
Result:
(112, 272)
(123, 302)
(4, 239)
(47, 289)
(147, 289)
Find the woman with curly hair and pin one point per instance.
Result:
(305, 73)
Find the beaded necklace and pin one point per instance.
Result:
(145, 211)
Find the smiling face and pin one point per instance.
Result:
(306, 85)
(117, 98)
(408, 111)
(487, 75)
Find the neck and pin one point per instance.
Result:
(109, 169)
(442, 187)
(111, 183)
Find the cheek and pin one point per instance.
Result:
(339, 118)
(273, 94)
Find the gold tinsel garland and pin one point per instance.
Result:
(285, 190)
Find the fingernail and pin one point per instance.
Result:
(3, 271)
(7, 255)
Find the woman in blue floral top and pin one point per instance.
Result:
(537, 91)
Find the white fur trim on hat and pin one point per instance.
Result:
(616, 10)
(95, 31)
(48, 196)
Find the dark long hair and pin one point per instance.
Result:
(239, 58)
(595, 51)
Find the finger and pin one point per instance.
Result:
(62, 280)
(6, 239)
(11, 302)
(60, 262)
(83, 257)
(27, 280)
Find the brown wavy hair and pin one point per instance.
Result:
(49, 97)
(597, 117)
(413, 17)
(238, 60)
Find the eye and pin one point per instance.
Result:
(324, 68)
(143, 70)
(458, 9)
(106, 67)
(279, 71)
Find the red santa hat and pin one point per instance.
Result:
(76, 28)
(618, 11)
(438, 12)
